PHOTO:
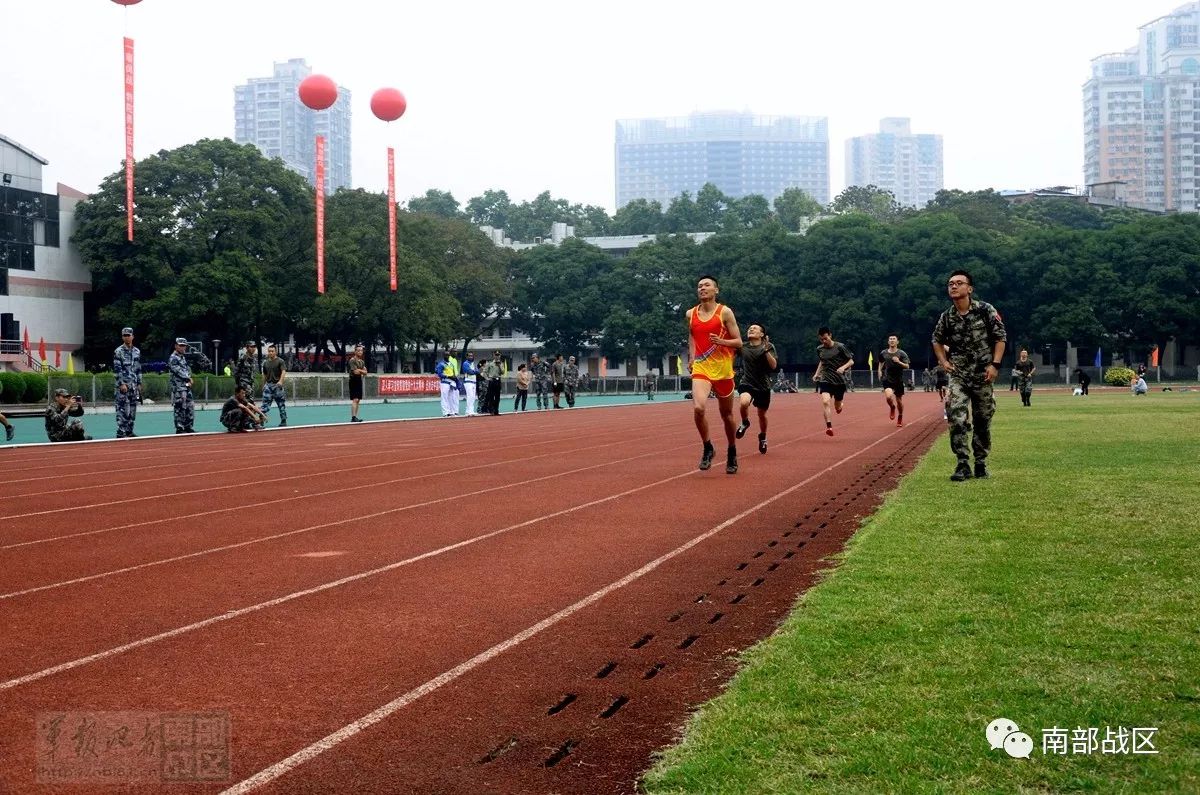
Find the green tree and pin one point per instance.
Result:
(223, 242)
(870, 200)
(436, 202)
(559, 295)
(490, 209)
(638, 217)
(794, 208)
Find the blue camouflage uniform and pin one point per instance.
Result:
(127, 367)
(181, 391)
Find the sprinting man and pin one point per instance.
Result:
(834, 359)
(975, 336)
(758, 362)
(713, 337)
(892, 364)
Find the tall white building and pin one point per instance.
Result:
(742, 154)
(910, 166)
(268, 113)
(1141, 112)
(42, 279)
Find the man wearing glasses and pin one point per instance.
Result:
(968, 341)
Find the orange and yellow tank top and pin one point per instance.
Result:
(714, 362)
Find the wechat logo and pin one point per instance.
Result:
(1004, 733)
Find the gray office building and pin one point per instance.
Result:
(910, 166)
(269, 114)
(1141, 116)
(740, 153)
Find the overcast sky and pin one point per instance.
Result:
(523, 95)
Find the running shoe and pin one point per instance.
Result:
(762, 443)
(891, 412)
(9, 433)
(731, 461)
(707, 456)
(900, 421)
(829, 431)
(745, 426)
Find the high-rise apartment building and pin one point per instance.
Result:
(1141, 114)
(268, 113)
(740, 153)
(910, 166)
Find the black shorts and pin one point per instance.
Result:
(837, 390)
(558, 389)
(942, 383)
(760, 398)
(356, 390)
(896, 386)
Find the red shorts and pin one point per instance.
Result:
(723, 388)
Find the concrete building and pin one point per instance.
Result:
(42, 279)
(1141, 111)
(740, 153)
(268, 113)
(910, 166)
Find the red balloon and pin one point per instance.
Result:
(318, 92)
(127, 2)
(388, 104)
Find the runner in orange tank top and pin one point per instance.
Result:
(713, 337)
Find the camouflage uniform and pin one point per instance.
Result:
(572, 381)
(127, 367)
(59, 425)
(971, 339)
(1024, 371)
(181, 393)
(243, 374)
(541, 382)
(651, 386)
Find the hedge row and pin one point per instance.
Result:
(22, 387)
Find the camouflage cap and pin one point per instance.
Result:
(181, 340)
(126, 330)
(60, 392)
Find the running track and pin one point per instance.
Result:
(529, 603)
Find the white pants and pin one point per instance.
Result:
(449, 399)
(470, 385)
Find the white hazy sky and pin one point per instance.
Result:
(523, 95)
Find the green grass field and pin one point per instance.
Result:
(1061, 593)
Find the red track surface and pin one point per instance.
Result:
(527, 603)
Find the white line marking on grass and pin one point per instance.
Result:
(278, 769)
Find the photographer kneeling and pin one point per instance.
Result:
(59, 425)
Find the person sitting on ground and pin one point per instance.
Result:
(60, 427)
(1139, 386)
(238, 415)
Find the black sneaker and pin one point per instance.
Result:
(87, 438)
(355, 419)
(9, 433)
(762, 443)
(707, 456)
(963, 472)
(180, 430)
(283, 423)
(731, 461)
(745, 426)
(981, 470)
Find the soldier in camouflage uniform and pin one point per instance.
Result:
(974, 334)
(572, 381)
(59, 425)
(1024, 369)
(541, 381)
(243, 373)
(181, 388)
(127, 367)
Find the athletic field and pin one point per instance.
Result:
(1060, 595)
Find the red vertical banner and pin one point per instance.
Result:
(321, 214)
(392, 213)
(129, 138)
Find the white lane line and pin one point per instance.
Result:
(389, 511)
(103, 655)
(276, 770)
(145, 498)
(307, 495)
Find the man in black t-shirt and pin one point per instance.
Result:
(892, 364)
(834, 360)
(758, 363)
(239, 415)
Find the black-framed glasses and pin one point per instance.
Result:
(957, 283)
